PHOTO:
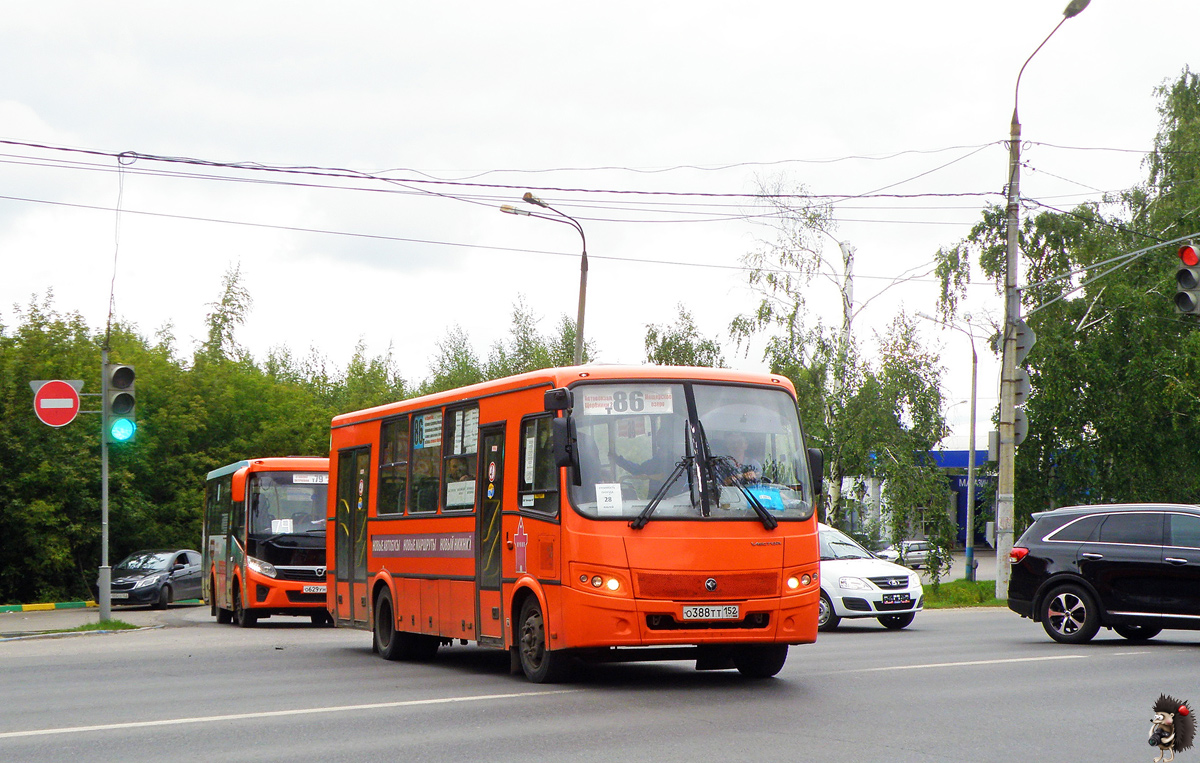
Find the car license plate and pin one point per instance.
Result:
(719, 612)
(116, 596)
(896, 598)
(314, 589)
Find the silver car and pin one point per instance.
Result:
(913, 554)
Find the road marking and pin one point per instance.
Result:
(275, 714)
(964, 664)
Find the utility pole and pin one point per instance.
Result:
(1006, 478)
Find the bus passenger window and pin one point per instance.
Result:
(538, 481)
(393, 466)
(426, 462)
(462, 437)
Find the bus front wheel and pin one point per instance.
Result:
(760, 660)
(540, 665)
(244, 617)
(391, 644)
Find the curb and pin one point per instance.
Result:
(45, 607)
(69, 634)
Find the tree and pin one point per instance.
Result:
(1115, 371)
(682, 344)
(870, 417)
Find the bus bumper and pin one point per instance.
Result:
(595, 620)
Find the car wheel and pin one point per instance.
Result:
(242, 616)
(826, 620)
(760, 660)
(541, 665)
(164, 597)
(1069, 615)
(1137, 632)
(896, 622)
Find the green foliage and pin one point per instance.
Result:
(963, 593)
(682, 344)
(1115, 371)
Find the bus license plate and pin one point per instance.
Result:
(721, 612)
(896, 598)
(314, 589)
(116, 596)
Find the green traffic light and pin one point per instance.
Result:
(122, 430)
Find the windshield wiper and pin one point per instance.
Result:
(736, 480)
(641, 519)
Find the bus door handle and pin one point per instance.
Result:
(508, 542)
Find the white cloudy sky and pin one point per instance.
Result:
(564, 98)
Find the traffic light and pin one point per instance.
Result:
(1187, 280)
(119, 403)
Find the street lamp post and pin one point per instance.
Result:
(1006, 477)
(583, 262)
(969, 540)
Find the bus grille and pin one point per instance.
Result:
(304, 574)
(752, 621)
(689, 586)
(305, 598)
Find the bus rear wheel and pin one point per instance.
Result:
(760, 660)
(242, 616)
(224, 616)
(540, 665)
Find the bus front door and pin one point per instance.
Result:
(350, 549)
(488, 607)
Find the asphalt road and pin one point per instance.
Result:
(969, 685)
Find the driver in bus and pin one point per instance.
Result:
(735, 466)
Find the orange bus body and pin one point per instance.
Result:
(264, 539)
(515, 556)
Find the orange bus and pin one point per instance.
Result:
(264, 539)
(597, 512)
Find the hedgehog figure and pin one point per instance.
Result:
(1172, 728)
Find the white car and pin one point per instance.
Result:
(856, 583)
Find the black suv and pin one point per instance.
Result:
(1134, 568)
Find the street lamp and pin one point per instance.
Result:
(969, 541)
(1006, 478)
(583, 263)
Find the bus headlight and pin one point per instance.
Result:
(600, 580)
(261, 567)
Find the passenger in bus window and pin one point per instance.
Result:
(456, 470)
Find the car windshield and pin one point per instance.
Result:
(287, 503)
(651, 451)
(837, 545)
(145, 561)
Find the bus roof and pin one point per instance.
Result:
(562, 377)
(275, 464)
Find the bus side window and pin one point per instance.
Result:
(393, 466)
(426, 462)
(538, 478)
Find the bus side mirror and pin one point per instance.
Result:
(816, 469)
(562, 432)
(558, 399)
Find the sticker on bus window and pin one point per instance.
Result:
(281, 526)
(608, 499)
(310, 479)
(526, 501)
(530, 451)
(625, 401)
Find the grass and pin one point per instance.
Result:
(963, 593)
(102, 625)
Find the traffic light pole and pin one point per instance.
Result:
(105, 582)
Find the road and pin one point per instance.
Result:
(968, 685)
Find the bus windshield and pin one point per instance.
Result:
(651, 451)
(287, 503)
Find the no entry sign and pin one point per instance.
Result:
(55, 402)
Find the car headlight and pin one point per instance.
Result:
(261, 567)
(854, 584)
(149, 580)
